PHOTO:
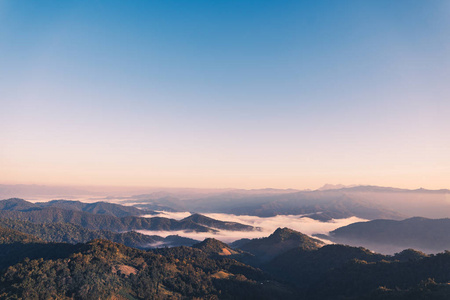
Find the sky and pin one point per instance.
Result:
(218, 94)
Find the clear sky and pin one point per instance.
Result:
(245, 94)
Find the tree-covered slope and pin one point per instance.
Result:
(105, 270)
(18, 209)
(280, 241)
(70, 233)
(101, 208)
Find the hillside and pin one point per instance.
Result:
(426, 278)
(31, 269)
(216, 248)
(304, 267)
(345, 272)
(104, 270)
(389, 236)
(18, 209)
(280, 241)
(16, 246)
(9, 236)
(73, 234)
(101, 208)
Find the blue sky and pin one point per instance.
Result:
(225, 93)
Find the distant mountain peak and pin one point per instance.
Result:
(280, 241)
(285, 234)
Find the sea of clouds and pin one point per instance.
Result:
(266, 226)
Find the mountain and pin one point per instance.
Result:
(176, 241)
(31, 268)
(101, 208)
(210, 222)
(16, 204)
(337, 204)
(280, 241)
(304, 267)
(389, 236)
(73, 234)
(102, 222)
(367, 202)
(9, 236)
(105, 270)
(425, 278)
(345, 272)
(15, 246)
(216, 247)
(18, 209)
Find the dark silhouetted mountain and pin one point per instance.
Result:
(408, 255)
(305, 267)
(414, 278)
(177, 241)
(15, 246)
(345, 272)
(209, 222)
(239, 243)
(327, 216)
(282, 240)
(389, 236)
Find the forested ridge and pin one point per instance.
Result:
(62, 250)
(102, 269)
(32, 268)
(71, 233)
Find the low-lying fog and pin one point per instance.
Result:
(267, 226)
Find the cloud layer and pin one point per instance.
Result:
(267, 225)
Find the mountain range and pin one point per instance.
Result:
(73, 234)
(32, 268)
(390, 236)
(333, 201)
(100, 216)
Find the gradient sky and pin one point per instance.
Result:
(245, 94)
